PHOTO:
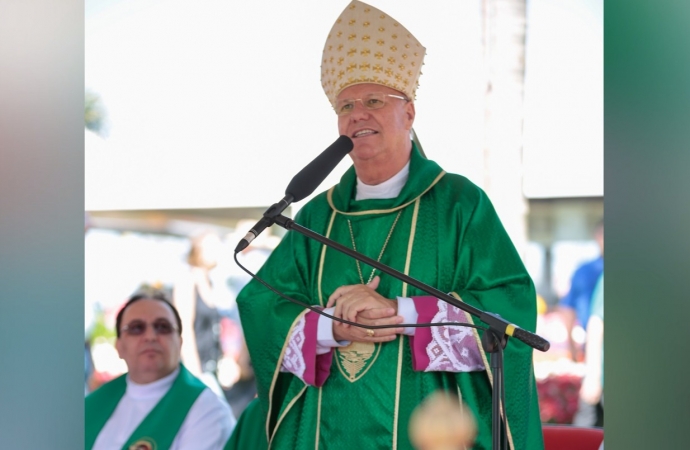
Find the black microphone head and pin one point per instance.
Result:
(309, 178)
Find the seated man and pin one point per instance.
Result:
(158, 403)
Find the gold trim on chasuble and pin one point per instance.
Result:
(398, 378)
(355, 360)
(354, 357)
(318, 422)
(321, 260)
(351, 362)
(269, 436)
(487, 366)
(329, 197)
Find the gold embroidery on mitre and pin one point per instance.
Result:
(356, 359)
(354, 33)
(144, 444)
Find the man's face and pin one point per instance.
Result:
(149, 356)
(379, 135)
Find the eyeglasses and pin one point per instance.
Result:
(138, 327)
(375, 100)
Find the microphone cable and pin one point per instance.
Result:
(354, 324)
(502, 394)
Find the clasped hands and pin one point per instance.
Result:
(362, 304)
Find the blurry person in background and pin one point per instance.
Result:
(590, 411)
(254, 256)
(193, 295)
(575, 306)
(236, 375)
(242, 388)
(157, 403)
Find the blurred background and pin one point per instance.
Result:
(199, 113)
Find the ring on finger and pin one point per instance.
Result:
(371, 333)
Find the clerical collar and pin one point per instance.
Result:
(388, 189)
(153, 389)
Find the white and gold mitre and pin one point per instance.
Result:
(366, 45)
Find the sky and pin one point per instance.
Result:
(218, 103)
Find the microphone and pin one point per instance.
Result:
(302, 184)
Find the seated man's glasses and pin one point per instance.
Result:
(375, 100)
(138, 327)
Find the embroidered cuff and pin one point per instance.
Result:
(318, 365)
(301, 358)
(443, 348)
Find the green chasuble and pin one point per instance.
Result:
(449, 237)
(159, 427)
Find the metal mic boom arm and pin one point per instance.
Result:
(494, 321)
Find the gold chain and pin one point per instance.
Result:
(383, 249)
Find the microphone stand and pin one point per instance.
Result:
(497, 334)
